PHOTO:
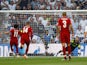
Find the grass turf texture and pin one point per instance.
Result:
(43, 61)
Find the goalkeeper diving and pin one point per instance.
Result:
(74, 44)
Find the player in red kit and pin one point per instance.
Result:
(14, 32)
(26, 37)
(64, 28)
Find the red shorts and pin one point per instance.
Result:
(25, 40)
(13, 41)
(65, 37)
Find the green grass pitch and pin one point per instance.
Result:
(42, 61)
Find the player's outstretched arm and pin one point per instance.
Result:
(7, 32)
(58, 30)
(71, 29)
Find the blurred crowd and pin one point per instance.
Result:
(43, 4)
(44, 26)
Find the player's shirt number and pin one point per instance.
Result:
(64, 24)
(25, 30)
(15, 33)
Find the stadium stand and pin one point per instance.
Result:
(43, 4)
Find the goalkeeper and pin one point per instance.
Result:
(74, 44)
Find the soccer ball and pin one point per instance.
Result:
(21, 51)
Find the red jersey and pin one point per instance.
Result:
(14, 33)
(27, 32)
(64, 23)
(14, 36)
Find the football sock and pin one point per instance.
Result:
(64, 50)
(69, 50)
(26, 50)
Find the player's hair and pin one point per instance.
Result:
(64, 14)
(27, 23)
(16, 25)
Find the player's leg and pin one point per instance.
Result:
(22, 41)
(17, 54)
(22, 45)
(69, 51)
(64, 50)
(27, 44)
(59, 52)
(11, 45)
(12, 50)
(62, 39)
(68, 46)
(27, 48)
(16, 45)
(16, 48)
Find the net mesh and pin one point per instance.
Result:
(41, 22)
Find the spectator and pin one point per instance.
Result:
(0, 7)
(42, 5)
(63, 3)
(80, 33)
(34, 3)
(3, 4)
(47, 37)
(36, 39)
(24, 8)
(57, 5)
(18, 7)
(29, 7)
(48, 6)
(74, 23)
(15, 1)
(23, 4)
(36, 7)
(0, 4)
(12, 5)
(34, 25)
(44, 21)
(52, 3)
(83, 22)
(41, 29)
(53, 21)
(49, 28)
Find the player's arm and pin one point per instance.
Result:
(85, 34)
(71, 29)
(18, 2)
(30, 33)
(6, 5)
(58, 26)
(58, 30)
(7, 32)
